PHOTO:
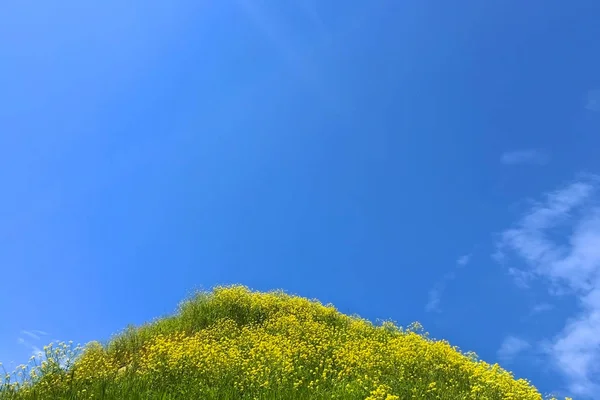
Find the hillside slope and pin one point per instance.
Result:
(233, 343)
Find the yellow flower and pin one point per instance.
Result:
(247, 342)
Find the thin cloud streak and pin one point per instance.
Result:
(303, 63)
(529, 156)
(540, 308)
(305, 68)
(593, 100)
(34, 334)
(435, 294)
(511, 347)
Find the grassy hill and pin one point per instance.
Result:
(233, 343)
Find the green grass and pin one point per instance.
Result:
(233, 343)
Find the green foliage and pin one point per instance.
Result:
(233, 343)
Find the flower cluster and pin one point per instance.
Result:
(235, 343)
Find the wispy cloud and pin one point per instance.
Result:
(463, 260)
(31, 339)
(511, 347)
(434, 297)
(540, 308)
(304, 67)
(593, 100)
(528, 156)
(33, 334)
(558, 241)
(435, 294)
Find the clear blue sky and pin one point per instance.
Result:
(425, 161)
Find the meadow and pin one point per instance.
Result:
(234, 343)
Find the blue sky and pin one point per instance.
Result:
(419, 161)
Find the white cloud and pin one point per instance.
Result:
(558, 241)
(463, 260)
(542, 307)
(435, 294)
(32, 336)
(529, 156)
(521, 278)
(511, 347)
(433, 302)
(593, 100)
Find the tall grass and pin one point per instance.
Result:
(233, 343)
